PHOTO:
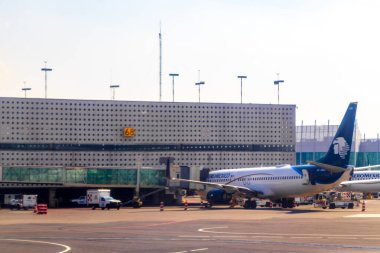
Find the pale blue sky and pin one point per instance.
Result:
(327, 51)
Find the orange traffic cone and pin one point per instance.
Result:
(186, 205)
(363, 206)
(162, 206)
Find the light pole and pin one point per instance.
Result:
(241, 88)
(199, 90)
(25, 90)
(113, 87)
(173, 75)
(277, 82)
(46, 70)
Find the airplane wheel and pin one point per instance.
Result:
(291, 203)
(247, 204)
(253, 204)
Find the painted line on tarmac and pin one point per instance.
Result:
(67, 248)
(194, 236)
(287, 235)
(192, 250)
(228, 236)
(267, 236)
(205, 230)
(225, 240)
(141, 226)
(363, 215)
(307, 237)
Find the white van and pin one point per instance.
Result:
(23, 201)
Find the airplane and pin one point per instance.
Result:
(282, 183)
(362, 181)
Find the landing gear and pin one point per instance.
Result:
(288, 203)
(250, 204)
(233, 203)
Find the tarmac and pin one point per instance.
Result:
(174, 230)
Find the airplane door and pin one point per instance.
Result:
(305, 177)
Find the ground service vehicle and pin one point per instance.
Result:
(304, 200)
(341, 200)
(23, 201)
(341, 204)
(334, 200)
(102, 198)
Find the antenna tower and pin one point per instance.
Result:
(160, 59)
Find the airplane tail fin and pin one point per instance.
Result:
(340, 148)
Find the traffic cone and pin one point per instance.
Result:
(161, 206)
(202, 205)
(363, 206)
(186, 205)
(35, 208)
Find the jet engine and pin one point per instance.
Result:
(218, 196)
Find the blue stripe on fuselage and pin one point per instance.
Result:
(318, 175)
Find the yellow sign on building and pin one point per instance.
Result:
(129, 132)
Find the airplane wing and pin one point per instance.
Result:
(367, 167)
(231, 189)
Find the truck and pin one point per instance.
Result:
(102, 198)
(23, 201)
(81, 201)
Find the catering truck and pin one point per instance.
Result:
(102, 198)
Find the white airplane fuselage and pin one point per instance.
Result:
(362, 181)
(276, 182)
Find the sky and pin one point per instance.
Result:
(326, 51)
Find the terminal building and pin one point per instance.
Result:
(93, 142)
(312, 142)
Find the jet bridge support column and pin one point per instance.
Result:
(52, 197)
(167, 160)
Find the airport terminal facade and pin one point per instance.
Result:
(74, 145)
(312, 142)
(86, 133)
